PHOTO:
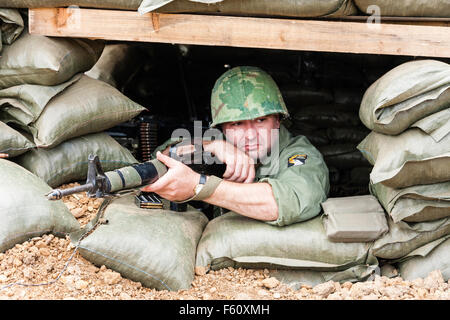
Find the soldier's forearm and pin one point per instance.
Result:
(253, 200)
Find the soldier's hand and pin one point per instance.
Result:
(240, 166)
(177, 184)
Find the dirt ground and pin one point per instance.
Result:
(54, 270)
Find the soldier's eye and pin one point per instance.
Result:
(235, 124)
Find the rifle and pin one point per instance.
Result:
(100, 184)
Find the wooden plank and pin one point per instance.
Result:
(289, 34)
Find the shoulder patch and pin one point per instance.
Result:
(297, 160)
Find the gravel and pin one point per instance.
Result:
(55, 273)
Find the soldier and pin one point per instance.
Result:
(247, 105)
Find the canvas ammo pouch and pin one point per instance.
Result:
(354, 219)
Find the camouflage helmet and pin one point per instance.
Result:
(245, 93)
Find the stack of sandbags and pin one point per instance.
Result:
(45, 95)
(287, 8)
(118, 63)
(408, 110)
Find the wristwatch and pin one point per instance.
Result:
(200, 184)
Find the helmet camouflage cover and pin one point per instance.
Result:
(245, 93)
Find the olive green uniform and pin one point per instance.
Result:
(301, 186)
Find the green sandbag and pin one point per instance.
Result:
(52, 61)
(153, 246)
(408, 8)
(415, 203)
(403, 237)
(87, 106)
(25, 212)
(111, 4)
(411, 158)
(405, 95)
(117, 64)
(11, 25)
(13, 142)
(296, 278)
(437, 125)
(23, 104)
(232, 240)
(350, 134)
(289, 8)
(68, 162)
(421, 264)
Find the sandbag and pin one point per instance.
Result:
(296, 8)
(25, 212)
(112, 4)
(421, 264)
(232, 240)
(23, 104)
(325, 116)
(415, 203)
(68, 162)
(343, 156)
(11, 25)
(354, 219)
(153, 246)
(297, 278)
(404, 237)
(411, 158)
(437, 125)
(116, 65)
(13, 142)
(405, 95)
(51, 62)
(408, 8)
(86, 106)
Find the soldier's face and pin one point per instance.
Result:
(254, 137)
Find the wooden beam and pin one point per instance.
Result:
(289, 34)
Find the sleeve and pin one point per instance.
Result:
(299, 189)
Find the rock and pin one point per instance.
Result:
(418, 282)
(212, 290)
(206, 296)
(200, 271)
(3, 278)
(2, 256)
(262, 293)
(433, 280)
(270, 282)
(78, 212)
(347, 285)
(111, 277)
(17, 262)
(276, 295)
(81, 284)
(124, 296)
(41, 244)
(324, 289)
(44, 251)
(242, 296)
(335, 296)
